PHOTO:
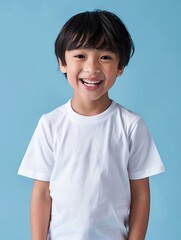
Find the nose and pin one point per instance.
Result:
(91, 66)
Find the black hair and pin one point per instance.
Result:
(96, 29)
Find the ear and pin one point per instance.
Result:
(120, 71)
(62, 67)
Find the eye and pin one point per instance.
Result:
(106, 57)
(79, 56)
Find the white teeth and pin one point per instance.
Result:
(90, 83)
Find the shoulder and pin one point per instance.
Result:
(56, 112)
(128, 118)
(54, 117)
(127, 113)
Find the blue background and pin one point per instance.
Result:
(31, 85)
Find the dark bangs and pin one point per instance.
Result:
(90, 34)
(97, 30)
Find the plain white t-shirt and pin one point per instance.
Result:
(89, 161)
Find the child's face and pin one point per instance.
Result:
(91, 72)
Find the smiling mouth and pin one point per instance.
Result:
(91, 83)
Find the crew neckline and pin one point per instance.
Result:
(87, 119)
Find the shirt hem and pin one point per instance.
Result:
(146, 173)
(33, 175)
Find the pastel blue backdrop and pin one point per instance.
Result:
(31, 85)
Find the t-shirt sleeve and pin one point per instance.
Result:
(38, 161)
(144, 159)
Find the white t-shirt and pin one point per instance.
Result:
(89, 161)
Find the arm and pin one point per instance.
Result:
(40, 210)
(139, 210)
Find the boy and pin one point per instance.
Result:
(91, 158)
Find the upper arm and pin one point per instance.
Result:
(140, 187)
(41, 189)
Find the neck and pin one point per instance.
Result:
(90, 108)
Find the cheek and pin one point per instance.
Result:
(73, 70)
(111, 78)
(72, 75)
(112, 74)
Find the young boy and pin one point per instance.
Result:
(91, 158)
